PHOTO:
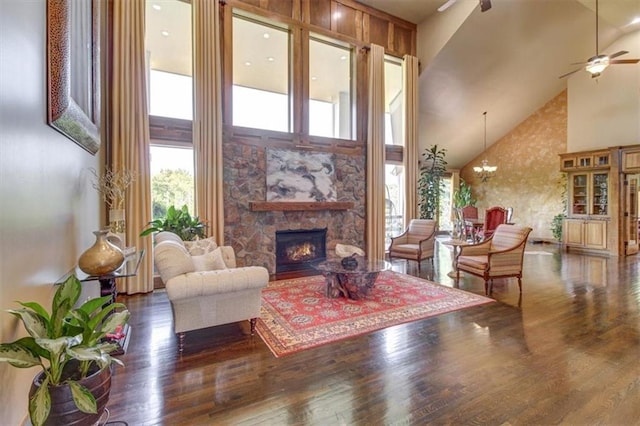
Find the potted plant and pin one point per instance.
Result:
(72, 347)
(430, 182)
(462, 196)
(178, 221)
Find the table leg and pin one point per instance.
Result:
(454, 256)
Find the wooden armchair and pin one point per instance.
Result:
(417, 242)
(499, 256)
(493, 217)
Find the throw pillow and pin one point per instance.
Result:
(211, 261)
(172, 259)
(200, 247)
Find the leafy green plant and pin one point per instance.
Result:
(430, 182)
(462, 196)
(556, 222)
(179, 222)
(67, 337)
(556, 226)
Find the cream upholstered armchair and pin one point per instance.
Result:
(204, 285)
(417, 242)
(499, 256)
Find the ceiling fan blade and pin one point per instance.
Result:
(625, 61)
(446, 5)
(569, 73)
(579, 63)
(620, 53)
(485, 5)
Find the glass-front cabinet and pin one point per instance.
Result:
(589, 193)
(589, 200)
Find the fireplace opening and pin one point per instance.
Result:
(297, 249)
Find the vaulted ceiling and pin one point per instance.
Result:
(505, 61)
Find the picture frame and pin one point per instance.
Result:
(73, 70)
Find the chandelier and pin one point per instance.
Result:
(485, 171)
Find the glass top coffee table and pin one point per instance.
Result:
(353, 283)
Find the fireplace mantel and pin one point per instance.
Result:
(289, 206)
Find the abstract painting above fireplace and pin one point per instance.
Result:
(300, 175)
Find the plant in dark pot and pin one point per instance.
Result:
(72, 347)
(178, 221)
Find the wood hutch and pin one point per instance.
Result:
(602, 200)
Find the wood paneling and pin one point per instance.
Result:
(320, 13)
(378, 31)
(345, 20)
(170, 129)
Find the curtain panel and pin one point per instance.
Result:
(130, 132)
(375, 156)
(207, 117)
(410, 157)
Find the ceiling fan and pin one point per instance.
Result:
(598, 63)
(484, 5)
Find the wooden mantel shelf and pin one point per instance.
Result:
(290, 206)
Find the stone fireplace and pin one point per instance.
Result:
(252, 232)
(297, 249)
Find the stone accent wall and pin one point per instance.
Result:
(252, 234)
(528, 176)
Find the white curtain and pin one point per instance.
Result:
(207, 116)
(410, 152)
(375, 156)
(130, 132)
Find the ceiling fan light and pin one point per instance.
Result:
(477, 169)
(597, 64)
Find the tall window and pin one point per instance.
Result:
(330, 101)
(169, 46)
(260, 75)
(394, 136)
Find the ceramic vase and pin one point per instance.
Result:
(102, 257)
(117, 227)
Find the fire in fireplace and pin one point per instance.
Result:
(296, 249)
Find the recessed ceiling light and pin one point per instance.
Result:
(343, 57)
(266, 35)
(156, 6)
(165, 33)
(270, 59)
(314, 78)
(248, 63)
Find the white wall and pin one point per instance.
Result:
(48, 208)
(605, 112)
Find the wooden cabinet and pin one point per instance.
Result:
(589, 199)
(584, 233)
(585, 161)
(589, 194)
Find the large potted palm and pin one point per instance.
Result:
(72, 345)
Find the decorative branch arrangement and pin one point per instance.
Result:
(113, 186)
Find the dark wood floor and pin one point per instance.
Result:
(566, 352)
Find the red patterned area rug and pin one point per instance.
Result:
(296, 315)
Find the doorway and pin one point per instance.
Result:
(631, 219)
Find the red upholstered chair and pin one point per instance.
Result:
(493, 217)
(470, 212)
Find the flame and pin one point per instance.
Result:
(301, 252)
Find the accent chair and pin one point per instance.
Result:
(499, 256)
(417, 242)
(493, 217)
